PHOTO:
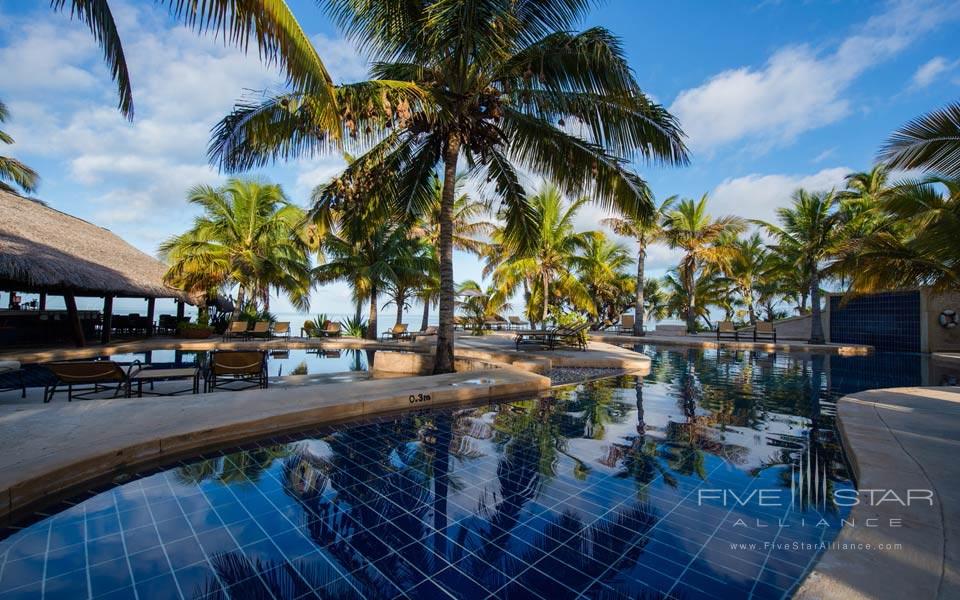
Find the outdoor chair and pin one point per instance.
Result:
(541, 337)
(86, 378)
(428, 332)
(517, 322)
(570, 336)
(765, 329)
(332, 329)
(726, 328)
(261, 329)
(397, 332)
(236, 329)
(247, 367)
(281, 329)
(11, 377)
(626, 324)
(309, 330)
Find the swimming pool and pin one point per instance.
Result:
(596, 490)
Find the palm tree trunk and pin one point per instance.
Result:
(399, 301)
(359, 310)
(426, 314)
(691, 301)
(372, 323)
(638, 312)
(241, 296)
(816, 327)
(546, 300)
(444, 359)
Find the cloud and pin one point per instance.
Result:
(800, 87)
(931, 70)
(758, 196)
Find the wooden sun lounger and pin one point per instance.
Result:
(397, 332)
(726, 328)
(281, 329)
(331, 330)
(765, 329)
(248, 367)
(236, 329)
(428, 332)
(570, 336)
(261, 329)
(87, 377)
(542, 337)
(626, 324)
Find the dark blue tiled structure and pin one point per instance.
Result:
(593, 493)
(889, 321)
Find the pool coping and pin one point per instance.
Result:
(894, 440)
(694, 341)
(53, 452)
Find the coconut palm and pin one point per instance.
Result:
(918, 244)
(480, 305)
(645, 230)
(370, 261)
(600, 266)
(269, 23)
(249, 235)
(930, 142)
(810, 232)
(690, 228)
(12, 169)
(745, 269)
(710, 289)
(489, 82)
(406, 281)
(548, 258)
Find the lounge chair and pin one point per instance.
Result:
(248, 367)
(765, 329)
(726, 328)
(261, 329)
(281, 329)
(517, 322)
(495, 321)
(570, 336)
(332, 329)
(428, 332)
(309, 330)
(88, 377)
(626, 324)
(397, 332)
(236, 329)
(10, 372)
(540, 337)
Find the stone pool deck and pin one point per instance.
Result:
(709, 341)
(898, 439)
(52, 451)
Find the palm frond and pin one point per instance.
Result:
(930, 142)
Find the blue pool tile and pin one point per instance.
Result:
(110, 576)
(67, 587)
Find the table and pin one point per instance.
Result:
(150, 376)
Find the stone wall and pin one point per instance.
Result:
(938, 338)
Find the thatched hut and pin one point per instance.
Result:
(45, 251)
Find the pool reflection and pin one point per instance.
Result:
(594, 490)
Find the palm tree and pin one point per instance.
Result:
(745, 269)
(269, 23)
(370, 261)
(407, 280)
(12, 169)
(481, 305)
(469, 224)
(930, 142)
(549, 256)
(249, 235)
(690, 228)
(490, 82)
(646, 231)
(809, 233)
(600, 266)
(917, 245)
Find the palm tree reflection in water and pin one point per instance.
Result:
(393, 503)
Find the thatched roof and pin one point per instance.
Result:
(45, 250)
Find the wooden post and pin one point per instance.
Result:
(74, 317)
(107, 320)
(151, 309)
(43, 301)
(180, 310)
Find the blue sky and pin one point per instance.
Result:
(773, 95)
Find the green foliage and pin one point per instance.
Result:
(251, 315)
(569, 320)
(13, 170)
(354, 327)
(220, 322)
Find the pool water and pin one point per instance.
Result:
(612, 489)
